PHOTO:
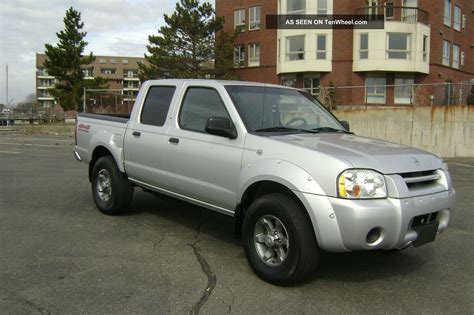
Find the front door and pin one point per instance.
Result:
(200, 165)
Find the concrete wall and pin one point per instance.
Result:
(446, 131)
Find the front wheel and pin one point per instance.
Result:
(279, 240)
(111, 189)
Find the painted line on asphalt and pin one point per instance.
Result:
(10, 152)
(465, 165)
(33, 145)
(39, 139)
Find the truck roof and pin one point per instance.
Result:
(221, 82)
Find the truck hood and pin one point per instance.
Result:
(361, 152)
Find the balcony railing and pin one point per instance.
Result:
(392, 13)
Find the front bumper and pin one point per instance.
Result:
(343, 225)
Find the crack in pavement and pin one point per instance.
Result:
(229, 307)
(211, 277)
(22, 300)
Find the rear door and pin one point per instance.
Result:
(199, 165)
(146, 136)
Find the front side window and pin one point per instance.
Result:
(447, 13)
(446, 50)
(239, 18)
(254, 55)
(457, 18)
(398, 46)
(198, 105)
(295, 48)
(322, 7)
(239, 55)
(156, 105)
(404, 90)
(321, 52)
(296, 6)
(364, 46)
(456, 51)
(375, 89)
(254, 18)
(279, 109)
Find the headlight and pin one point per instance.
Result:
(361, 184)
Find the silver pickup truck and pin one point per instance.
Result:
(293, 176)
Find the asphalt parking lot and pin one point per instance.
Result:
(58, 254)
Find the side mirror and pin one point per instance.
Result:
(221, 126)
(346, 125)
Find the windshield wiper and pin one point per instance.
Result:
(284, 129)
(330, 129)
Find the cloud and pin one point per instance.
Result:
(114, 27)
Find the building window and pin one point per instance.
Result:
(410, 10)
(254, 55)
(296, 6)
(457, 18)
(447, 13)
(254, 18)
(125, 61)
(375, 89)
(107, 71)
(404, 90)
(321, 52)
(456, 51)
(446, 49)
(295, 48)
(311, 85)
(322, 7)
(364, 46)
(288, 80)
(425, 48)
(113, 61)
(87, 73)
(239, 19)
(462, 58)
(101, 60)
(398, 46)
(239, 55)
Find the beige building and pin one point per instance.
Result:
(121, 73)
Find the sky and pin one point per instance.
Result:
(114, 27)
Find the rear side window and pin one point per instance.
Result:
(156, 106)
(198, 105)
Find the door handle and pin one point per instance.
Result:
(174, 140)
(136, 134)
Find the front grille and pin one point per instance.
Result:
(424, 219)
(420, 179)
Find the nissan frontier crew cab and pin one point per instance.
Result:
(293, 176)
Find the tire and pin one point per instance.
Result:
(111, 189)
(289, 256)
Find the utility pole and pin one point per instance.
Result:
(6, 101)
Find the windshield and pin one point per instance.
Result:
(269, 109)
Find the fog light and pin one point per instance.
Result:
(373, 236)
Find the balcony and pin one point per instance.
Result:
(397, 14)
(402, 46)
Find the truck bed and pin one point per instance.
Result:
(121, 118)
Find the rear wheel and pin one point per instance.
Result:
(279, 241)
(111, 189)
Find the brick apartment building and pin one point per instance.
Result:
(423, 42)
(121, 73)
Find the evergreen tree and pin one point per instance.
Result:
(65, 61)
(186, 46)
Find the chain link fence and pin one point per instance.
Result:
(443, 94)
(101, 101)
